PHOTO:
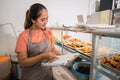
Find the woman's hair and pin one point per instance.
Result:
(32, 14)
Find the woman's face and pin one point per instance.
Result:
(41, 21)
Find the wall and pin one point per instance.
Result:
(60, 11)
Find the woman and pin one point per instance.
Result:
(35, 45)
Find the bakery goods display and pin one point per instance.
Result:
(113, 62)
(79, 46)
(86, 50)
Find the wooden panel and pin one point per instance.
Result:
(105, 17)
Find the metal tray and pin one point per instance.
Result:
(108, 67)
(69, 47)
(76, 50)
(72, 47)
(111, 69)
(81, 52)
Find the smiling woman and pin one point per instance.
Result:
(36, 45)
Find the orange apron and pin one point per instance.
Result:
(37, 72)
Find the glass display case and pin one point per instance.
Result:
(105, 62)
(74, 41)
(78, 40)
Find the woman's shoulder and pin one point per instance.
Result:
(24, 33)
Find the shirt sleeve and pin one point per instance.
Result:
(21, 44)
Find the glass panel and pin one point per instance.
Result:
(106, 48)
(107, 45)
(7, 39)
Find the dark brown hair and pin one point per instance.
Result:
(32, 14)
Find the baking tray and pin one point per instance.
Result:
(72, 47)
(66, 47)
(81, 52)
(111, 69)
(76, 50)
(69, 47)
(108, 67)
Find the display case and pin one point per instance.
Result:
(105, 61)
(79, 39)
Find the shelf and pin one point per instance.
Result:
(72, 29)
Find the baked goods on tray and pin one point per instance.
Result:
(85, 50)
(80, 46)
(76, 43)
(113, 62)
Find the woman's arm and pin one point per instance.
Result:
(24, 61)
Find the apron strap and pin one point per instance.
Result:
(30, 38)
(46, 37)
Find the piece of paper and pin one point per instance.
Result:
(62, 60)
